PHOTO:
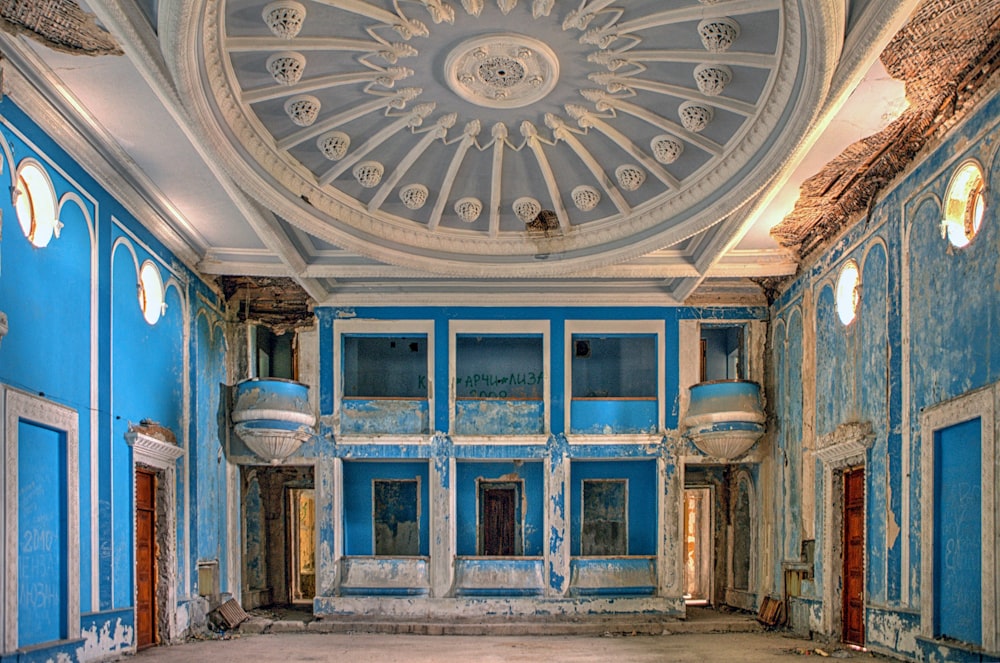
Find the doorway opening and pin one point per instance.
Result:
(145, 558)
(153, 555)
(279, 535)
(301, 542)
(698, 544)
(500, 514)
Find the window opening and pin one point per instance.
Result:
(722, 353)
(619, 366)
(275, 354)
(35, 204)
(500, 513)
(848, 293)
(380, 367)
(151, 295)
(605, 521)
(499, 366)
(964, 205)
(396, 516)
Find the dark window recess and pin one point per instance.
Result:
(605, 525)
(500, 519)
(620, 366)
(385, 366)
(499, 366)
(275, 354)
(722, 353)
(396, 516)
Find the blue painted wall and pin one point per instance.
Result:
(42, 564)
(635, 416)
(925, 333)
(77, 338)
(642, 500)
(358, 505)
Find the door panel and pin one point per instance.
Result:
(854, 557)
(498, 521)
(145, 576)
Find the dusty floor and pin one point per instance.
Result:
(360, 648)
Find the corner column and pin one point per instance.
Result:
(330, 518)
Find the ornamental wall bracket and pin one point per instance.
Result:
(847, 440)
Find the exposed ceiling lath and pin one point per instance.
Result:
(279, 303)
(59, 24)
(944, 55)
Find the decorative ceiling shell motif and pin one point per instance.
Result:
(502, 138)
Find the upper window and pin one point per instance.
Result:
(964, 205)
(614, 366)
(151, 292)
(848, 292)
(35, 204)
(722, 352)
(385, 366)
(499, 366)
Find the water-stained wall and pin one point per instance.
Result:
(852, 394)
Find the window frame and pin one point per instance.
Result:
(356, 327)
(514, 328)
(654, 328)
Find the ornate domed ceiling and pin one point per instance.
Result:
(503, 138)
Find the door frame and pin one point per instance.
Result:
(982, 404)
(845, 448)
(161, 457)
(516, 485)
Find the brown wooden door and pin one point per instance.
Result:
(854, 556)
(498, 521)
(145, 541)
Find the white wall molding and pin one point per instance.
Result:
(20, 406)
(982, 404)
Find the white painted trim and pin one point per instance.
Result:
(501, 328)
(844, 448)
(646, 327)
(23, 406)
(161, 456)
(342, 327)
(982, 404)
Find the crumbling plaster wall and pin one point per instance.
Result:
(924, 333)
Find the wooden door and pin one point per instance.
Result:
(854, 556)
(498, 527)
(145, 546)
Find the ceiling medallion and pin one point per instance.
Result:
(424, 137)
(284, 18)
(502, 70)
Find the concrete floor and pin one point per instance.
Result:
(363, 647)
